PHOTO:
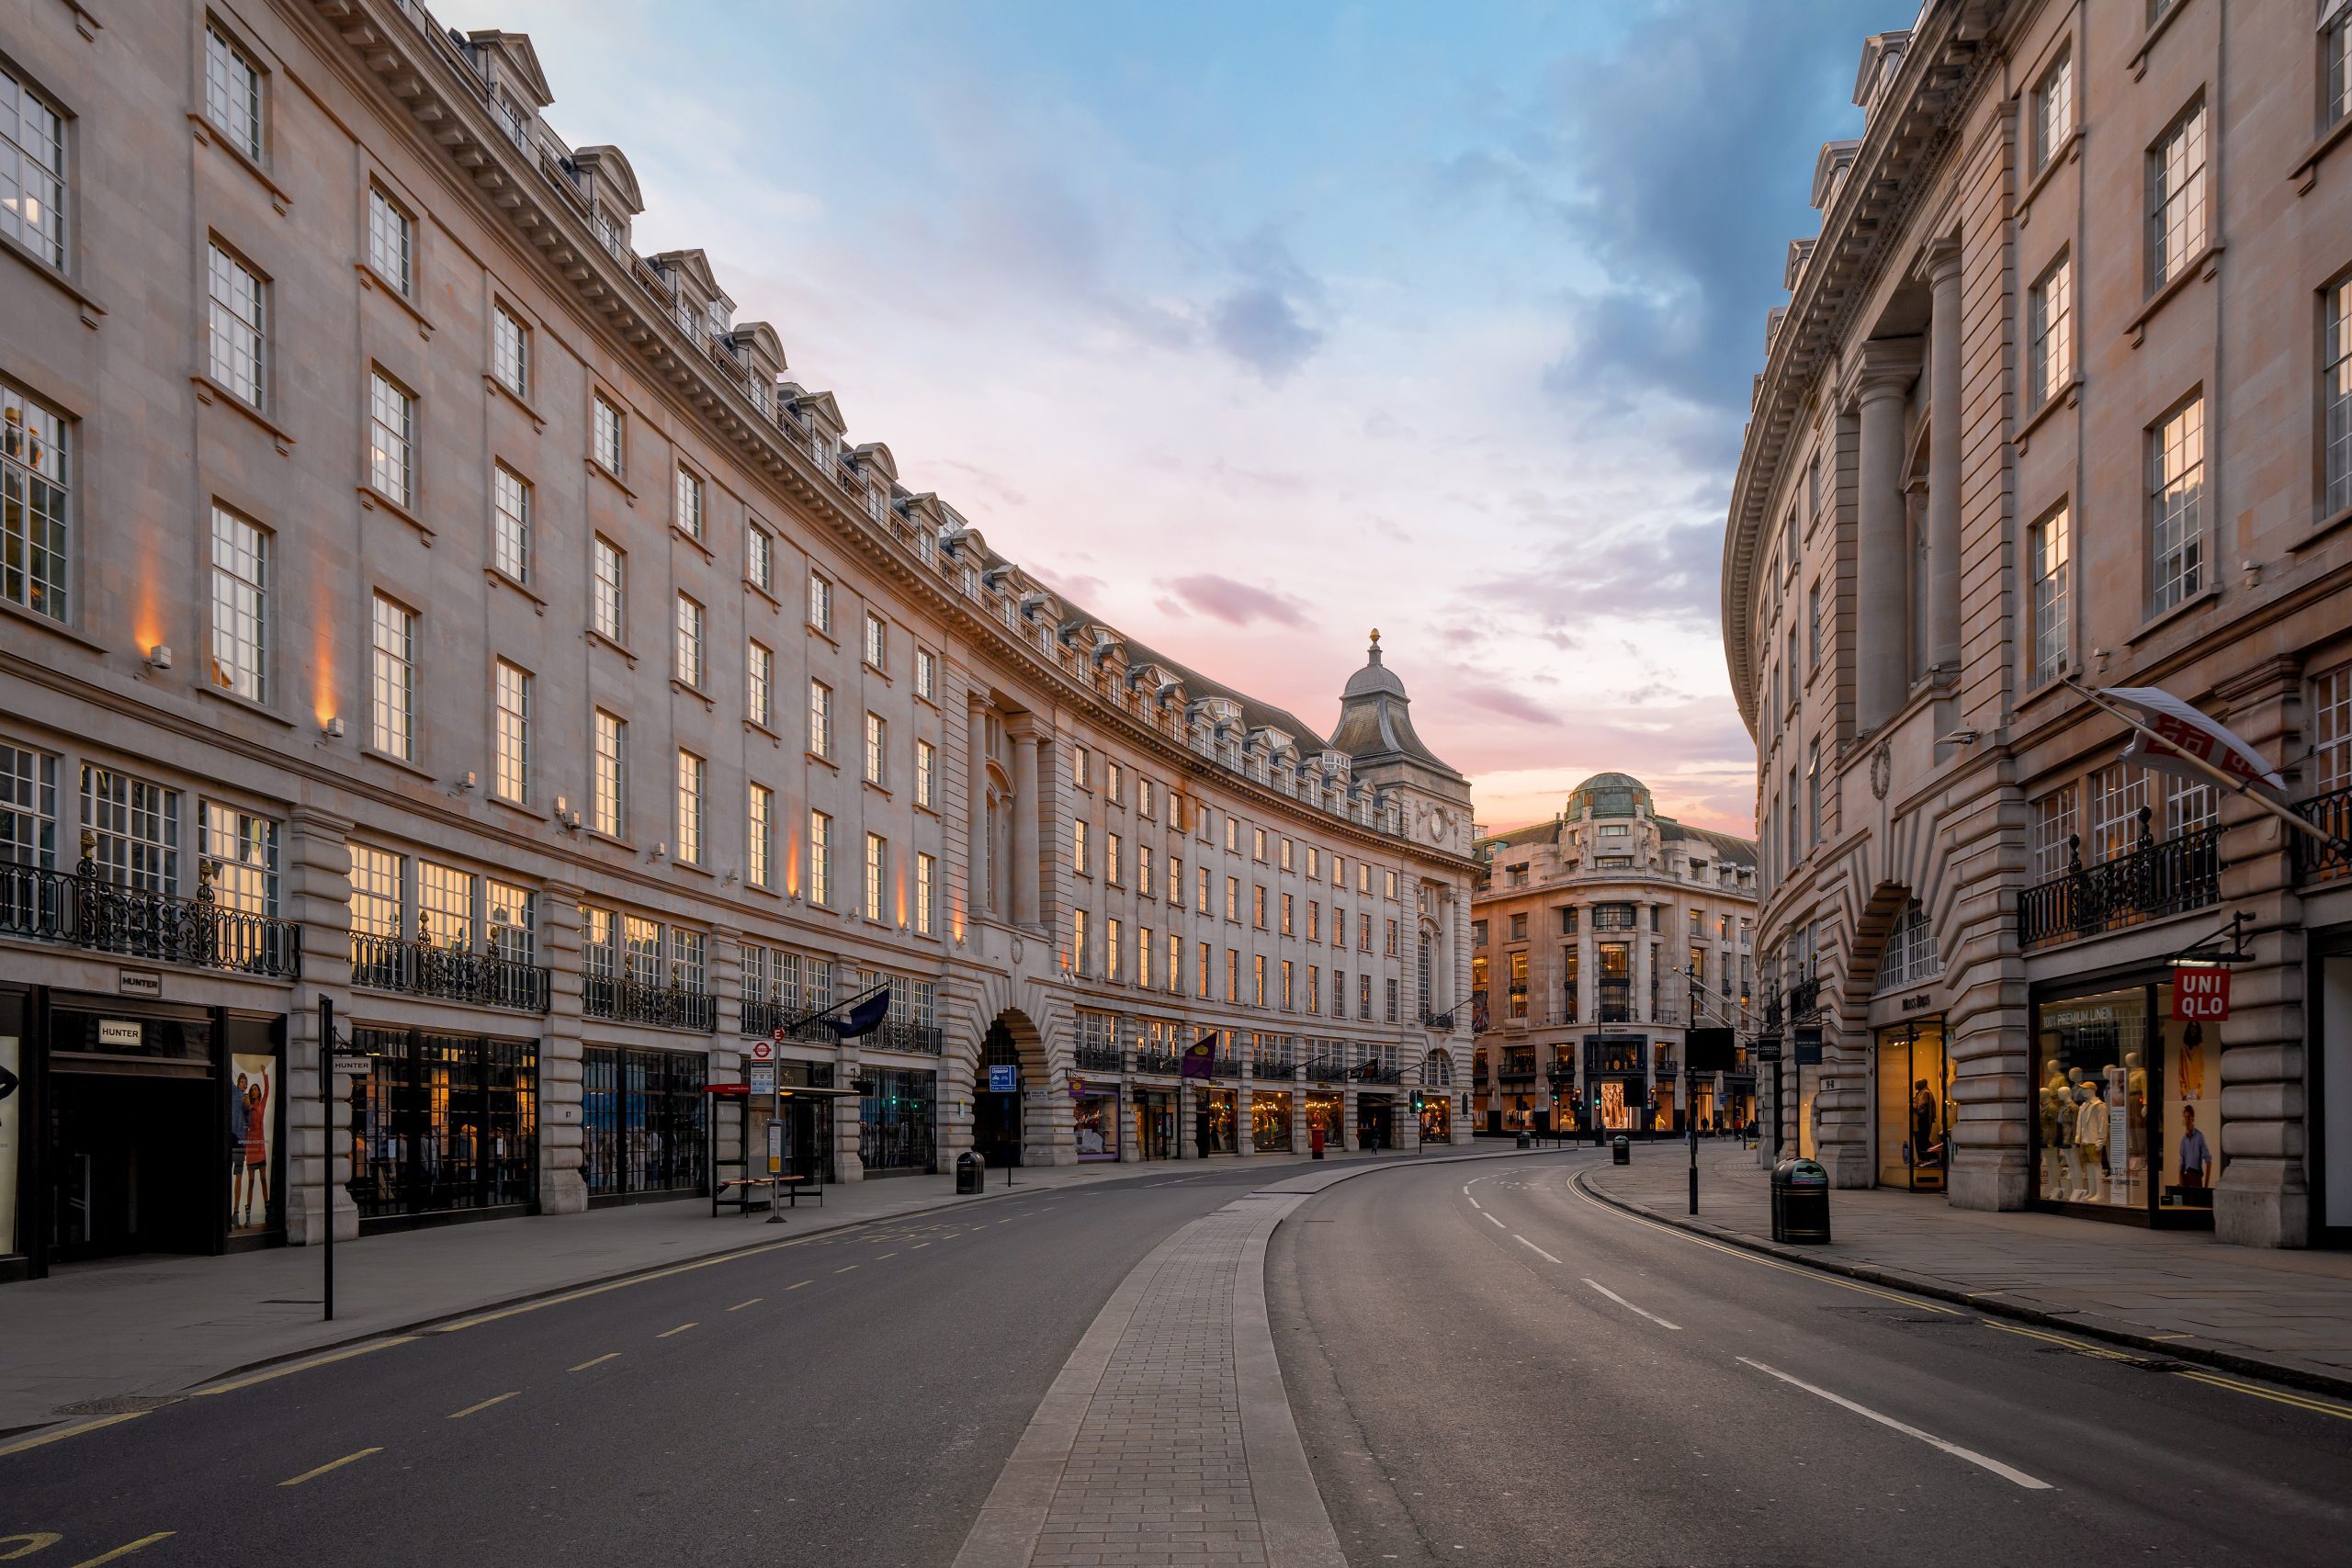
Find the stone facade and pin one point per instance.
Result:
(390, 478)
(1597, 938)
(2057, 399)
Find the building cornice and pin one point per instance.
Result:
(1902, 151)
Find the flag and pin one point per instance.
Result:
(1200, 1058)
(2180, 728)
(864, 1018)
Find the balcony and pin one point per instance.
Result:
(904, 1034)
(766, 1018)
(2331, 814)
(1096, 1058)
(1272, 1065)
(1804, 997)
(1150, 1061)
(418, 967)
(84, 910)
(1227, 1066)
(640, 1001)
(2157, 878)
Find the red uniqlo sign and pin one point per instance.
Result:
(2201, 996)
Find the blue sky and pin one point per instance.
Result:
(1253, 327)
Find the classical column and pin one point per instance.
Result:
(979, 889)
(317, 893)
(1027, 867)
(1882, 662)
(563, 1186)
(1943, 461)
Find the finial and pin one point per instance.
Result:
(1375, 636)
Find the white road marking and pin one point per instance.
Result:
(1535, 1249)
(2005, 1471)
(1473, 1202)
(1493, 1221)
(1631, 1307)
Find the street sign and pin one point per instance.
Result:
(2200, 995)
(763, 1075)
(1808, 1044)
(1004, 1078)
(777, 1036)
(762, 1051)
(1768, 1050)
(775, 1148)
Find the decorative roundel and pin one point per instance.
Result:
(1882, 770)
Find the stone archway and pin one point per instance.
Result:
(1015, 1127)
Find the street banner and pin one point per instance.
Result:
(2180, 728)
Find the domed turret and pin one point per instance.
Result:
(1611, 795)
(1374, 724)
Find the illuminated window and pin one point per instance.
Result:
(33, 479)
(32, 170)
(612, 584)
(2177, 197)
(609, 780)
(511, 757)
(392, 681)
(240, 605)
(761, 831)
(511, 519)
(391, 439)
(759, 684)
(2175, 496)
(690, 645)
(692, 771)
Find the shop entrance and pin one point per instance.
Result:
(1913, 1103)
(996, 1115)
(1372, 1113)
(134, 1159)
(1156, 1123)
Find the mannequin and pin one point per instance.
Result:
(2052, 1127)
(2135, 1103)
(2090, 1142)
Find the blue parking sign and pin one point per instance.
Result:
(1004, 1078)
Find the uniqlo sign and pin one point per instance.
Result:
(2201, 996)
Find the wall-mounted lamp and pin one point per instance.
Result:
(465, 782)
(1963, 736)
(160, 656)
(333, 729)
(660, 849)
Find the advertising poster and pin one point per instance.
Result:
(252, 1142)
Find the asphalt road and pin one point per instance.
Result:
(848, 1399)
(1488, 1368)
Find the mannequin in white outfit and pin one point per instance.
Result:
(2090, 1141)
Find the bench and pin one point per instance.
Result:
(745, 1200)
(792, 1185)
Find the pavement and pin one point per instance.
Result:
(2282, 1315)
(1486, 1365)
(97, 1338)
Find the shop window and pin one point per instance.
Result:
(641, 1116)
(443, 1124)
(1915, 1078)
(898, 1120)
(2127, 1105)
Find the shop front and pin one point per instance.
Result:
(1437, 1118)
(1375, 1116)
(1326, 1111)
(1616, 1076)
(444, 1127)
(1912, 1104)
(897, 1118)
(133, 1127)
(1270, 1121)
(2127, 1105)
(1094, 1119)
(1156, 1123)
(1214, 1131)
(642, 1130)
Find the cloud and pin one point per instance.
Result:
(1238, 603)
(1667, 573)
(1260, 322)
(1495, 698)
(1688, 213)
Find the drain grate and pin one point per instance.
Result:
(119, 1405)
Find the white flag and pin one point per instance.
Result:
(2181, 730)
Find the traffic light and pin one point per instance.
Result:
(1417, 1102)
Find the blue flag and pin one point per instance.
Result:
(864, 1018)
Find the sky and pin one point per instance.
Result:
(1253, 327)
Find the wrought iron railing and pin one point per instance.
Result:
(1804, 997)
(1227, 1066)
(1373, 1072)
(905, 1035)
(1150, 1061)
(1096, 1058)
(673, 1006)
(767, 1016)
(2331, 814)
(87, 910)
(2153, 879)
(421, 967)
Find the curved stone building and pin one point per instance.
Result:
(1597, 938)
(420, 601)
(2058, 403)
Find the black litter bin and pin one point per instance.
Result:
(1525, 1142)
(971, 1174)
(1620, 1150)
(1799, 1202)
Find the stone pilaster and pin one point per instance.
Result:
(1882, 633)
(563, 1187)
(316, 891)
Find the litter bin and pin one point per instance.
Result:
(1525, 1142)
(1799, 1202)
(971, 1175)
(1620, 1150)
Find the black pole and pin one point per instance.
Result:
(1691, 1121)
(326, 1131)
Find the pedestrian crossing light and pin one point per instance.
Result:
(1417, 1102)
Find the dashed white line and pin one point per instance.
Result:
(1631, 1307)
(1493, 1221)
(1535, 1249)
(2006, 1473)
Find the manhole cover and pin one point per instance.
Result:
(119, 1405)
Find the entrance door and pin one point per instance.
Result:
(1913, 1105)
(996, 1117)
(135, 1164)
(1372, 1130)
